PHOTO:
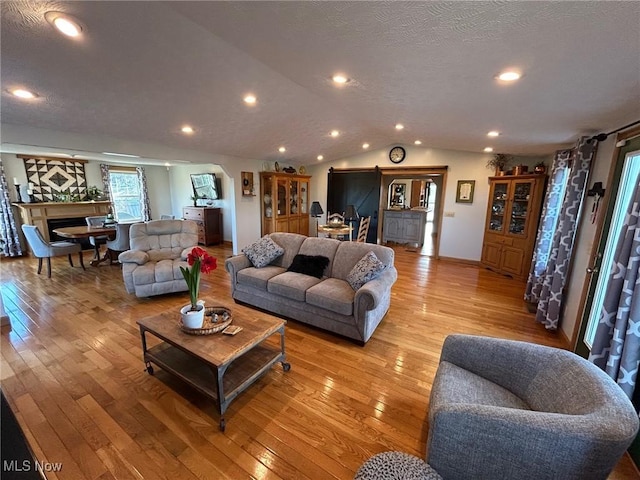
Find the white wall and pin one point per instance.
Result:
(462, 233)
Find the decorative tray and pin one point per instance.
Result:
(216, 319)
(336, 225)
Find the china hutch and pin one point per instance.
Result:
(285, 202)
(512, 222)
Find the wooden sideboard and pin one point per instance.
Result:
(404, 226)
(209, 222)
(38, 214)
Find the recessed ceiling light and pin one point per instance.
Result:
(488, 149)
(365, 145)
(399, 126)
(320, 157)
(509, 76)
(66, 24)
(22, 93)
(335, 133)
(250, 99)
(282, 149)
(121, 155)
(340, 78)
(493, 133)
(418, 142)
(187, 129)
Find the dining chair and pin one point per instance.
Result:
(363, 229)
(98, 240)
(335, 218)
(120, 243)
(43, 249)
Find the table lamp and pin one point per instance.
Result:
(316, 211)
(351, 214)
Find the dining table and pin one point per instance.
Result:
(82, 232)
(336, 230)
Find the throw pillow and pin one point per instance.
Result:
(367, 268)
(263, 252)
(313, 265)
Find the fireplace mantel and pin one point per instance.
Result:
(38, 213)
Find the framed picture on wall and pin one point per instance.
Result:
(464, 192)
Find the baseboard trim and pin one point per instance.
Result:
(460, 260)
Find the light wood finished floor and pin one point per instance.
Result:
(73, 373)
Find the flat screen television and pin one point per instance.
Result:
(206, 186)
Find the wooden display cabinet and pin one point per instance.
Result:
(285, 202)
(512, 221)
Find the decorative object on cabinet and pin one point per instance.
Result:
(289, 170)
(209, 221)
(464, 192)
(520, 169)
(247, 184)
(512, 221)
(499, 162)
(302, 170)
(540, 168)
(397, 193)
(285, 202)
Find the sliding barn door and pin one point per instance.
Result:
(358, 188)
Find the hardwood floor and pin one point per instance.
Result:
(72, 372)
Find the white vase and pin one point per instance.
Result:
(193, 318)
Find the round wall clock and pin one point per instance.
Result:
(397, 154)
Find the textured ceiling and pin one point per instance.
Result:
(143, 69)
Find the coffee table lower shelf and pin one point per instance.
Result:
(220, 383)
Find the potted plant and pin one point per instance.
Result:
(200, 262)
(195, 198)
(499, 162)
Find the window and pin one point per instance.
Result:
(127, 197)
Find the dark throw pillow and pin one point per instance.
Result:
(313, 265)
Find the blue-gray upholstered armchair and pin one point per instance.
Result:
(502, 409)
(40, 248)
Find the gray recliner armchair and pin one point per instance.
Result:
(503, 409)
(158, 249)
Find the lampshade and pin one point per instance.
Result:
(316, 209)
(351, 212)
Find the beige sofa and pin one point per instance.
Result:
(158, 249)
(329, 302)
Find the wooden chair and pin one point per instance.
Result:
(41, 249)
(363, 230)
(335, 218)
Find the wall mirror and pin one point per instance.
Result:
(205, 186)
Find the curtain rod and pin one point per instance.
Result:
(601, 137)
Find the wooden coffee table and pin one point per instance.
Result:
(217, 365)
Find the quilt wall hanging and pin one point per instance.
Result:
(55, 179)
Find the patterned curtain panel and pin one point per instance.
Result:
(554, 278)
(8, 230)
(144, 190)
(106, 186)
(548, 223)
(616, 345)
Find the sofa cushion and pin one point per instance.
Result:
(263, 252)
(258, 277)
(333, 294)
(367, 268)
(292, 285)
(313, 265)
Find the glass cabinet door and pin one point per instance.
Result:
(499, 197)
(281, 198)
(520, 207)
(267, 197)
(293, 197)
(304, 197)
